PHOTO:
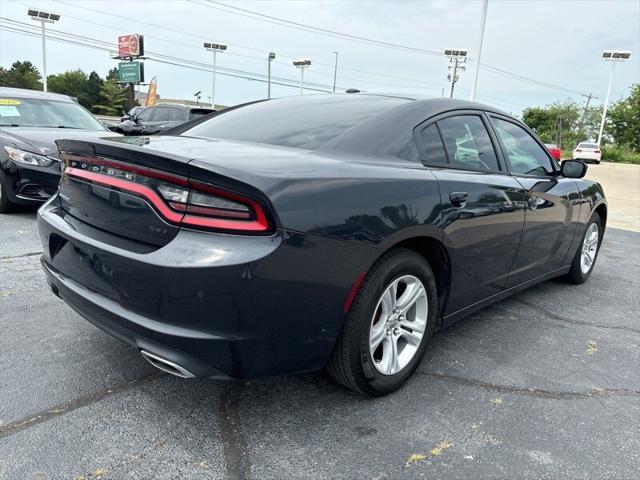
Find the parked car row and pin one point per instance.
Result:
(287, 235)
(157, 119)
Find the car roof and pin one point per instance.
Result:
(179, 105)
(35, 94)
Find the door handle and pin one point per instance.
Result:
(459, 199)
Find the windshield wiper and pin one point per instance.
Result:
(9, 125)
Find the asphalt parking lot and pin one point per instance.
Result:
(545, 384)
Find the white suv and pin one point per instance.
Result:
(588, 152)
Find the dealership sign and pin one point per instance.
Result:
(130, 72)
(130, 46)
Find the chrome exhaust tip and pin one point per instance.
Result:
(165, 365)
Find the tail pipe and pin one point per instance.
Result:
(165, 365)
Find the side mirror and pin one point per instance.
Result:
(573, 169)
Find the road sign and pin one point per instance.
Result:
(130, 46)
(130, 72)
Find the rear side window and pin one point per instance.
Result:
(525, 155)
(468, 143)
(433, 150)
(169, 114)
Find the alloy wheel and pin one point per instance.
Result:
(589, 248)
(398, 324)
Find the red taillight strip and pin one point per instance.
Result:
(127, 186)
(145, 171)
(260, 224)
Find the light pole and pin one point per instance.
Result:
(335, 72)
(302, 64)
(43, 17)
(271, 57)
(612, 56)
(485, 4)
(456, 57)
(215, 48)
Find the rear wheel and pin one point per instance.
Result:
(585, 258)
(387, 329)
(6, 205)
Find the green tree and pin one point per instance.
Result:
(21, 75)
(93, 90)
(72, 83)
(623, 120)
(113, 97)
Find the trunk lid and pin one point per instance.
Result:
(135, 187)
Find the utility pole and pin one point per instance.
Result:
(335, 73)
(453, 76)
(583, 120)
(613, 56)
(270, 58)
(474, 86)
(456, 57)
(43, 17)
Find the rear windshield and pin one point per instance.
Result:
(306, 122)
(29, 112)
(588, 145)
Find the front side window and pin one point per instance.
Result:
(433, 150)
(146, 114)
(524, 154)
(468, 143)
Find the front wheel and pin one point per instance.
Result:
(585, 258)
(388, 326)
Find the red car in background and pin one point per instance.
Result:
(554, 150)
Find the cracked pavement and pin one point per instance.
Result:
(545, 384)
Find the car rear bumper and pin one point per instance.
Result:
(587, 156)
(216, 305)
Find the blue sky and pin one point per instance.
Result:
(556, 42)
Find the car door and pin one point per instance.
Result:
(143, 118)
(552, 202)
(482, 205)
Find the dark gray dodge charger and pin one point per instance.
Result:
(337, 231)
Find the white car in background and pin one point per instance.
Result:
(589, 152)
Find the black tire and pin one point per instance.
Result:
(576, 276)
(351, 363)
(6, 205)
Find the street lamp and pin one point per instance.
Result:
(215, 48)
(456, 57)
(302, 64)
(43, 17)
(612, 56)
(270, 58)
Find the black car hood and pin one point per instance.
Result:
(42, 140)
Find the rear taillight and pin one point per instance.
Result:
(596, 151)
(178, 200)
(578, 149)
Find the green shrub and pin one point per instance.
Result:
(614, 153)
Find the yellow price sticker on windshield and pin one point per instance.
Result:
(9, 101)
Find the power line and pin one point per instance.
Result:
(315, 71)
(181, 62)
(322, 31)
